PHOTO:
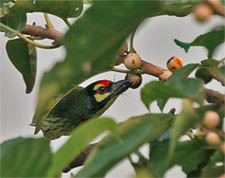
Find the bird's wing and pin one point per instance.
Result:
(37, 122)
(63, 105)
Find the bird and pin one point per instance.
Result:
(81, 104)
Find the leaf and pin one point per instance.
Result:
(210, 70)
(183, 88)
(79, 140)
(200, 166)
(4, 7)
(208, 40)
(157, 90)
(204, 74)
(214, 167)
(17, 22)
(24, 58)
(61, 8)
(217, 74)
(22, 157)
(132, 133)
(210, 62)
(178, 8)
(92, 41)
(190, 87)
(223, 2)
(184, 121)
(184, 45)
(189, 154)
(222, 70)
(183, 72)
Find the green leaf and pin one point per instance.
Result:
(208, 40)
(189, 154)
(61, 8)
(184, 45)
(79, 140)
(5, 5)
(210, 62)
(132, 133)
(214, 167)
(222, 70)
(157, 90)
(182, 88)
(187, 119)
(217, 74)
(17, 22)
(25, 157)
(92, 44)
(190, 87)
(183, 72)
(204, 74)
(210, 70)
(178, 8)
(223, 2)
(24, 58)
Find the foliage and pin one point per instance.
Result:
(209, 40)
(22, 157)
(23, 56)
(92, 44)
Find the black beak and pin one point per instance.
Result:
(120, 87)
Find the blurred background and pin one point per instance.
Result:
(153, 42)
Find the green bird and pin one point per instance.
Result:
(80, 105)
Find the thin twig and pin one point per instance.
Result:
(80, 159)
(146, 68)
(67, 22)
(27, 39)
(132, 42)
(39, 31)
(48, 22)
(127, 71)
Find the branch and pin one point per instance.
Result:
(213, 96)
(39, 31)
(80, 159)
(28, 40)
(147, 68)
(217, 7)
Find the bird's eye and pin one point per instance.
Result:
(101, 90)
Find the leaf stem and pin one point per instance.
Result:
(48, 22)
(67, 22)
(27, 39)
(36, 38)
(127, 71)
(132, 41)
(222, 60)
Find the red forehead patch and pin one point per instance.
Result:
(104, 82)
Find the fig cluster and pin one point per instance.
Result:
(133, 62)
(204, 10)
(211, 120)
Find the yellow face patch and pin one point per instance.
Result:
(98, 86)
(99, 97)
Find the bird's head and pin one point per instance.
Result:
(104, 92)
